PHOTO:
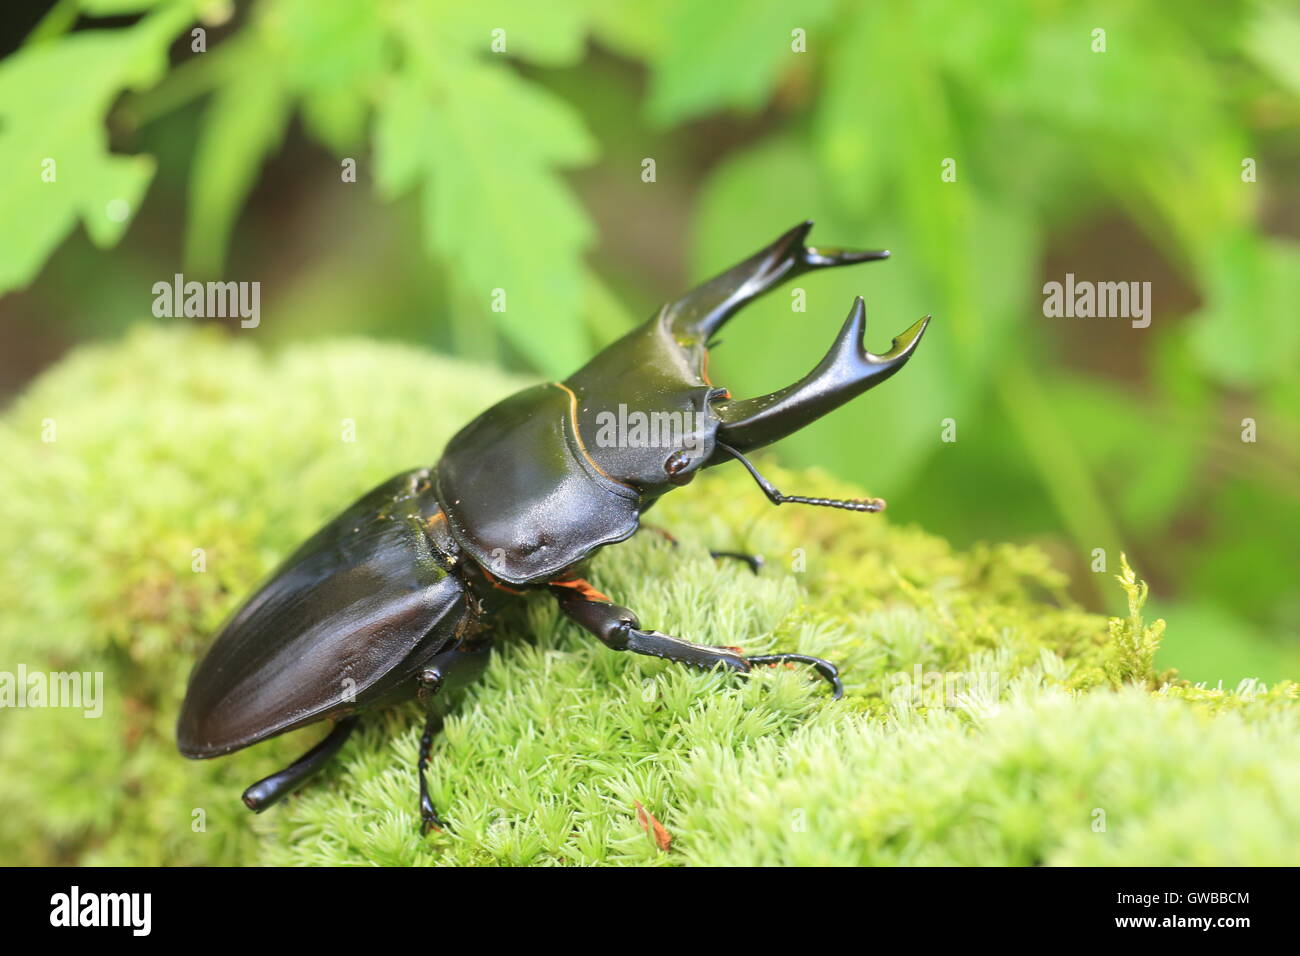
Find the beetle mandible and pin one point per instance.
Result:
(393, 598)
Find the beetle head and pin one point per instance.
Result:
(651, 418)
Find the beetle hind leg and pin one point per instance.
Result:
(272, 789)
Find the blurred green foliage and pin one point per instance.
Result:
(499, 168)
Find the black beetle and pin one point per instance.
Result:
(392, 599)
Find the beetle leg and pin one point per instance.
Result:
(271, 789)
(662, 532)
(429, 818)
(453, 667)
(618, 628)
(828, 671)
(754, 561)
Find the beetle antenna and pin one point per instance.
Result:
(871, 505)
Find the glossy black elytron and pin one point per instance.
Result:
(393, 599)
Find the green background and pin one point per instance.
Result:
(523, 170)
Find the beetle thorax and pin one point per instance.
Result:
(644, 410)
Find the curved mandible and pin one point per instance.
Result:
(699, 314)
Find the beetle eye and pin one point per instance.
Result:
(677, 463)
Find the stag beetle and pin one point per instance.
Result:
(393, 598)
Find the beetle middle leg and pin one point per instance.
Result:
(429, 818)
(449, 669)
(754, 562)
(618, 628)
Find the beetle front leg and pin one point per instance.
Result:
(618, 628)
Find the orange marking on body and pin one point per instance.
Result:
(497, 584)
(584, 589)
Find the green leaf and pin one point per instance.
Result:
(401, 137)
(44, 118)
(635, 30)
(486, 145)
(728, 54)
(242, 126)
(1113, 432)
(1273, 41)
(1131, 655)
(1246, 333)
(549, 34)
(116, 8)
(332, 57)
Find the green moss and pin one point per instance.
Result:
(987, 719)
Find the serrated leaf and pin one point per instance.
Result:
(331, 57)
(243, 125)
(43, 117)
(727, 54)
(549, 34)
(486, 149)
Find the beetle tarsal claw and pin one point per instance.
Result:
(825, 669)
